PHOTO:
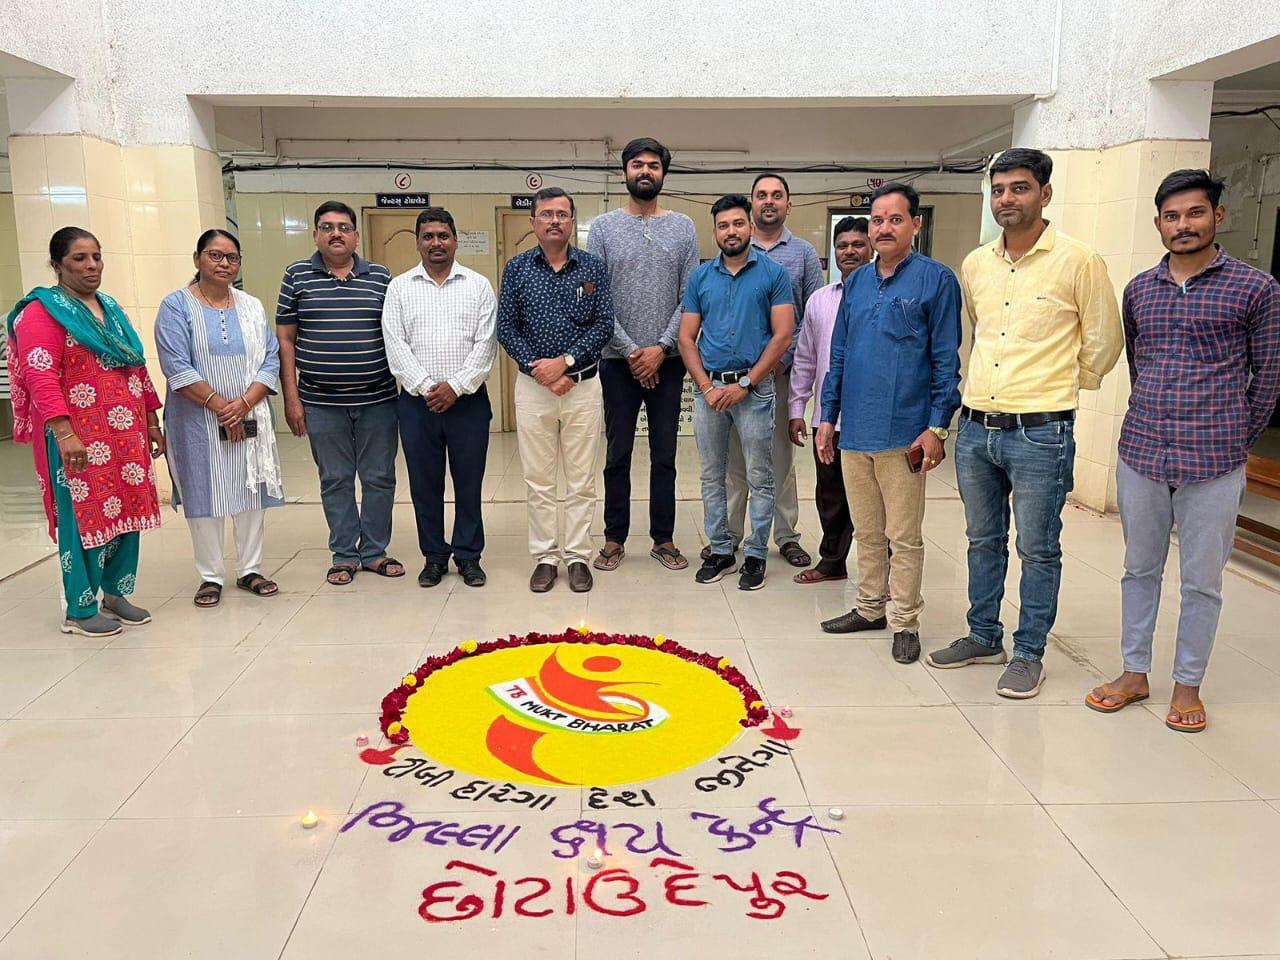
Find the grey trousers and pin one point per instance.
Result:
(1205, 514)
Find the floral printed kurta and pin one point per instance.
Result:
(116, 492)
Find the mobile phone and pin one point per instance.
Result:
(250, 429)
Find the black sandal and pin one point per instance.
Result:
(380, 565)
(339, 570)
(258, 585)
(207, 590)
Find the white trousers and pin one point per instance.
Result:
(207, 536)
(559, 432)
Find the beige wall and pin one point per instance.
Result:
(10, 276)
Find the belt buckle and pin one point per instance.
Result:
(986, 419)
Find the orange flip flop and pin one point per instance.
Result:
(1093, 703)
(1186, 727)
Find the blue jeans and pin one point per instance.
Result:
(752, 420)
(348, 442)
(1035, 465)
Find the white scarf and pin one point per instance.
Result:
(263, 458)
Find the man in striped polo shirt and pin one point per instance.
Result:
(339, 391)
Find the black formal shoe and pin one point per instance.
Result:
(432, 573)
(852, 622)
(471, 573)
(906, 646)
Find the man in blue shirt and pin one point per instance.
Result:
(554, 318)
(901, 320)
(738, 321)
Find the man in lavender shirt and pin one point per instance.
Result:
(812, 358)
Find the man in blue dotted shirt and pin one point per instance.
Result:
(554, 318)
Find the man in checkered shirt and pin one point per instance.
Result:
(439, 322)
(1202, 333)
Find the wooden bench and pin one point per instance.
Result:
(1262, 477)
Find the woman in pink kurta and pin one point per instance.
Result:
(83, 399)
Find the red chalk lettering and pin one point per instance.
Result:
(521, 906)
(631, 885)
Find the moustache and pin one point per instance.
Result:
(1186, 236)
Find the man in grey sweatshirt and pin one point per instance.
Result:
(650, 253)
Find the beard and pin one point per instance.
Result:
(732, 246)
(644, 189)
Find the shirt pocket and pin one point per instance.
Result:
(1212, 336)
(904, 319)
(1037, 319)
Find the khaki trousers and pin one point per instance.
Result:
(554, 433)
(886, 501)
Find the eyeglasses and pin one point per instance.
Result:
(560, 216)
(329, 227)
(217, 256)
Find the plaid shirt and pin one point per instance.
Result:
(1194, 411)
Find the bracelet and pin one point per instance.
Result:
(245, 400)
(65, 436)
(212, 394)
(705, 389)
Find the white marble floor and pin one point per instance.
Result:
(151, 785)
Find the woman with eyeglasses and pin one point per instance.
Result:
(83, 400)
(222, 360)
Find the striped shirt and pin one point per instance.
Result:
(341, 358)
(440, 332)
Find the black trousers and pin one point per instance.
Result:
(833, 513)
(623, 397)
(460, 438)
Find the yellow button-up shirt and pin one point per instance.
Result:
(1044, 327)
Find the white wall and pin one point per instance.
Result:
(1238, 145)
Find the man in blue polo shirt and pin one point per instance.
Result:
(738, 321)
(339, 391)
(894, 385)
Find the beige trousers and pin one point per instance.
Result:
(886, 501)
(786, 500)
(555, 433)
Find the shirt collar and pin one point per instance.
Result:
(359, 267)
(752, 257)
(784, 237)
(1048, 237)
(572, 261)
(1217, 263)
(897, 271)
(421, 271)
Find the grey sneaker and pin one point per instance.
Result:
(119, 608)
(962, 652)
(95, 626)
(1021, 679)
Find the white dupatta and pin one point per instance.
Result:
(262, 453)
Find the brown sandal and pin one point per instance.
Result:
(1179, 724)
(669, 556)
(608, 559)
(1097, 703)
(380, 565)
(814, 575)
(208, 594)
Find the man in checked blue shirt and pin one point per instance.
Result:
(894, 384)
(1202, 334)
(554, 317)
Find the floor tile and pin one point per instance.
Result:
(1071, 754)
(70, 769)
(1199, 877)
(32, 854)
(160, 682)
(840, 672)
(1242, 739)
(197, 889)
(256, 766)
(26, 674)
(365, 618)
(1067, 678)
(1232, 677)
(978, 883)
(898, 755)
(239, 620)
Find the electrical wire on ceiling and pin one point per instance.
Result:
(1263, 111)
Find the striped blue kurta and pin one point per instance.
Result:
(195, 343)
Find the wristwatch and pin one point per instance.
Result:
(569, 361)
(940, 432)
(745, 382)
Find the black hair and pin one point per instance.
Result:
(335, 206)
(62, 239)
(1181, 181)
(850, 225)
(646, 145)
(207, 238)
(731, 201)
(776, 176)
(551, 193)
(908, 191)
(1037, 161)
(435, 215)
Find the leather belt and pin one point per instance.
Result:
(1007, 421)
(728, 376)
(586, 373)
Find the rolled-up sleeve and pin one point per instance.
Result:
(269, 373)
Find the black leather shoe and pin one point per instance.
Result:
(471, 573)
(852, 622)
(906, 646)
(432, 573)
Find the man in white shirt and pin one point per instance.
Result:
(438, 321)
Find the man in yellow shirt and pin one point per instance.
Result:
(1045, 326)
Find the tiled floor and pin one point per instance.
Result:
(151, 786)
